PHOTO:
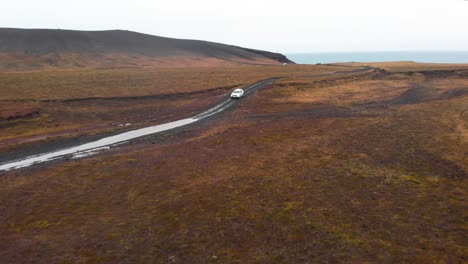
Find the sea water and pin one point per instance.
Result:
(416, 56)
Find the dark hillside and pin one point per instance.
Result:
(51, 47)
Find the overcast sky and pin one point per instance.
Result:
(276, 25)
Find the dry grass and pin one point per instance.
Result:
(379, 176)
(59, 85)
(24, 118)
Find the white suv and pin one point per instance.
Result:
(237, 93)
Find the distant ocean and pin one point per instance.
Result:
(417, 56)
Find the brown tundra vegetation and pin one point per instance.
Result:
(367, 167)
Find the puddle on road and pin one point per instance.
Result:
(87, 153)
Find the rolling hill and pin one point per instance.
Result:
(54, 48)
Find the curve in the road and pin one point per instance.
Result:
(105, 143)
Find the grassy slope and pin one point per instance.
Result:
(376, 172)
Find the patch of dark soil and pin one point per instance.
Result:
(444, 74)
(454, 93)
(20, 116)
(441, 166)
(12, 123)
(416, 94)
(320, 112)
(426, 162)
(295, 84)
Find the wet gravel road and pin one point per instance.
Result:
(94, 147)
